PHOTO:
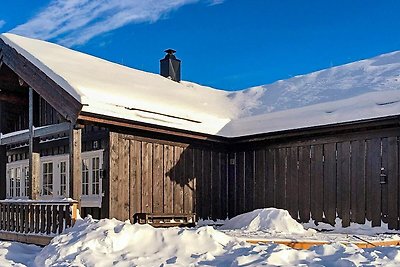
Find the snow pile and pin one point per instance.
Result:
(109, 242)
(271, 220)
(115, 243)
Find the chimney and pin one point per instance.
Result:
(170, 66)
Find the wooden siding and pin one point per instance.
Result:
(353, 177)
(156, 176)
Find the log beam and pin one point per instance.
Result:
(75, 164)
(34, 155)
(3, 162)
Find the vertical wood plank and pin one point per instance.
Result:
(179, 172)
(304, 183)
(188, 190)
(373, 193)
(270, 178)
(240, 183)
(232, 200)
(135, 177)
(147, 177)
(123, 180)
(330, 182)
(249, 180)
(384, 185)
(113, 174)
(224, 184)
(206, 185)
(198, 178)
(343, 182)
(260, 178)
(317, 175)
(393, 182)
(292, 182)
(168, 182)
(215, 186)
(158, 177)
(280, 178)
(358, 181)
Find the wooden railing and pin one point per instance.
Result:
(37, 217)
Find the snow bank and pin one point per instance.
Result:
(115, 243)
(112, 242)
(271, 220)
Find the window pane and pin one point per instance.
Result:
(96, 176)
(85, 177)
(47, 178)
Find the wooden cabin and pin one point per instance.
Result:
(122, 141)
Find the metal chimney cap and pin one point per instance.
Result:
(170, 51)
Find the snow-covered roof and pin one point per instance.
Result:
(361, 90)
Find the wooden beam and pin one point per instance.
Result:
(34, 155)
(12, 98)
(124, 123)
(3, 162)
(44, 131)
(75, 164)
(52, 129)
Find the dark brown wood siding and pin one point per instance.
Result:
(351, 176)
(158, 176)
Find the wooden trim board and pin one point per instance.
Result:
(28, 239)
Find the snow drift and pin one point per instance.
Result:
(115, 243)
(271, 220)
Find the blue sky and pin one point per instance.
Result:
(231, 44)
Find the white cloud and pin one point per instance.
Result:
(2, 23)
(215, 2)
(74, 22)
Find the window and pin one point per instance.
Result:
(16, 179)
(13, 174)
(63, 178)
(47, 176)
(26, 173)
(95, 175)
(18, 182)
(85, 177)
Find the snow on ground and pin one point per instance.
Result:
(17, 254)
(278, 225)
(110, 242)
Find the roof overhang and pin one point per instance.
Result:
(54, 94)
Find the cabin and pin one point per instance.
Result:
(121, 142)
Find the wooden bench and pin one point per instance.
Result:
(166, 219)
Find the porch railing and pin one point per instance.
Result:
(37, 217)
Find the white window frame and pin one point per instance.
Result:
(56, 160)
(10, 167)
(92, 199)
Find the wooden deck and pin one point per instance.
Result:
(308, 244)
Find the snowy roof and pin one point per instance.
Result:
(362, 90)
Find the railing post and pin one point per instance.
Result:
(74, 212)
